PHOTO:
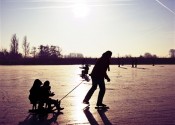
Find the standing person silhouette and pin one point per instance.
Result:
(98, 75)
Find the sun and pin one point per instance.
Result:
(81, 10)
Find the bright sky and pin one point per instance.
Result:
(90, 27)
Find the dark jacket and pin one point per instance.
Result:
(100, 68)
(35, 93)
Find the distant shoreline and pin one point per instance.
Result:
(90, 61)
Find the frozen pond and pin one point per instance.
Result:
(136, 96)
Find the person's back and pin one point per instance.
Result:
(45, 91)
(35, 94)
(100, 68)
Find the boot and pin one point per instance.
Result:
(58, 105)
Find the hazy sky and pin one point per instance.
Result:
(90, 27)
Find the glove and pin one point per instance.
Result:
(108, 79)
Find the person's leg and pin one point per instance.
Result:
(40, 105)
(101, 93)
(34, 106)
(91, 91)
(48, 103)
(56, 104)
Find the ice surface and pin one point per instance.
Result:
(136, 96)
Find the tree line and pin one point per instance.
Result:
(45, 52)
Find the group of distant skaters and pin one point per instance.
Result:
(40, 94)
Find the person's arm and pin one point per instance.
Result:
(108, 68)
(107, 77)
(50, 92)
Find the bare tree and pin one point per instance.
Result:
(172, 53)
(33, 51)
(3, 53)
(147, 55)
(44, 51)
(55, 51)
(49, 51)
(25, 47)
(14, 45)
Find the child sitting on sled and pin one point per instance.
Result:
(45, 97)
